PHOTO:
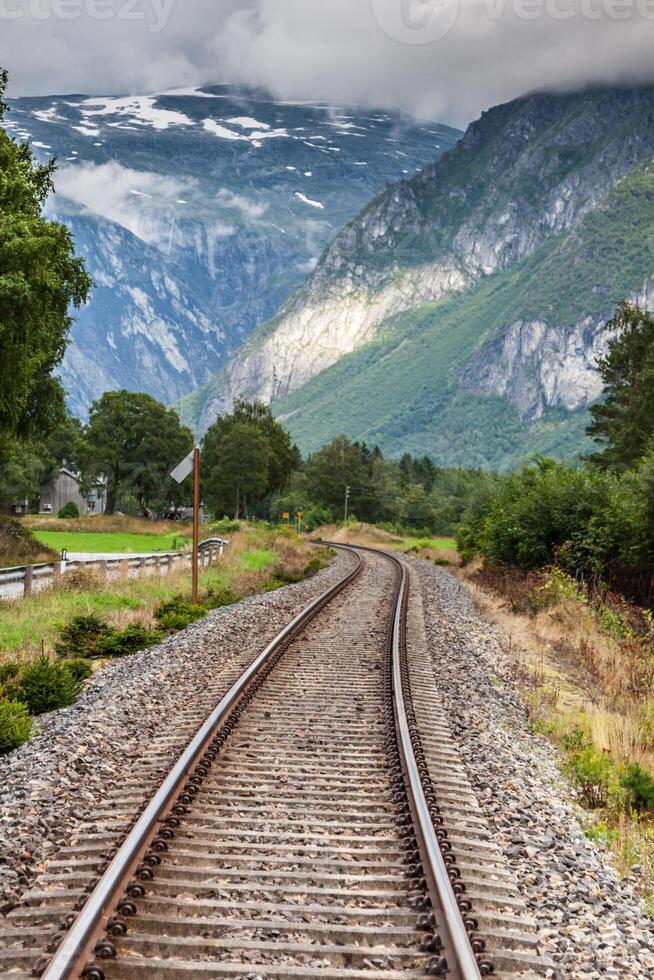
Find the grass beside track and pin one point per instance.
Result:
(256, 561)
(97, 542)
(586, 678)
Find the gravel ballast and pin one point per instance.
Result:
(590, 924)
(62, 777)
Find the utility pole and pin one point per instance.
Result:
(196, 523)
(347, 503)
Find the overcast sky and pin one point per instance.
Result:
(439, 59)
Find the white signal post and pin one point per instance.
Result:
(196, 524)
(191, 464)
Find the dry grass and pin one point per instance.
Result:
(18, 547)
(605, 682)
(114, 524)
(572, 676)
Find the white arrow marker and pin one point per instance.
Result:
(184, 469)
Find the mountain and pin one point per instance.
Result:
(198, 212)
(462, 312)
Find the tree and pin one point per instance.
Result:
(240, 472)
(135, 441)
(40, 279)
(624, 420)
(333, 468)
(416, 510)
(283, 457)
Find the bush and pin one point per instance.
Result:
(15, 725)
(47, 685)
(217, 598)
(639, 786)
(9, 671)
(178, 613)
(82, 636)
(88, 637)
(120, 643)
(69, 510)
(592, 772)
(79, 668)
(226, 526)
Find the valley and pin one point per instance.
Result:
(198, 211)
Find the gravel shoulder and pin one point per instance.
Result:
(590, 923)
(56, 782)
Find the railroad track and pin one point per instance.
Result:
(318, 824)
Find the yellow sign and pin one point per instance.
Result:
(285, 515)
(299, 513)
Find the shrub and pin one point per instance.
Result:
(89, 636)
(82, 636)
(120, 643)
(15, 725)
(226, 526)
(11, 689)
(640, 787)
(217, 598)
(47, 685)
(9, 671)
(69, 510)
(79, 668)
(178, 613)
(591, 772)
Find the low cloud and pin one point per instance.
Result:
(144, 203)
(441, 59)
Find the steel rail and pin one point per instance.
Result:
(72, 953)
(454, 935)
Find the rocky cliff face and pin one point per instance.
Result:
(199, 211)
(535, 365)
(525, 174)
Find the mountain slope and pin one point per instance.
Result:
(199, 211)
(489, 377)
(524, 175)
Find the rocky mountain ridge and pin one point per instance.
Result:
(198, 212)
(526, 174)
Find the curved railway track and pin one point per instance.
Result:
(301, 833)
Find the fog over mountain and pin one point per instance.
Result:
(439, 59)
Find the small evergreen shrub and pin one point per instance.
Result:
(15, 725)
(69, 510)
(47, 685)
(88, 637)
(120, 643)
(217, 598)
(639, 785)
(79, 668)
(178, 613)
(82, 637)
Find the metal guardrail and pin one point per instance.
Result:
(29, 575)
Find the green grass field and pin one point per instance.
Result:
(439, 544)
(258, 559)
(80, 541)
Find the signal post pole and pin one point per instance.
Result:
(196, 524)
